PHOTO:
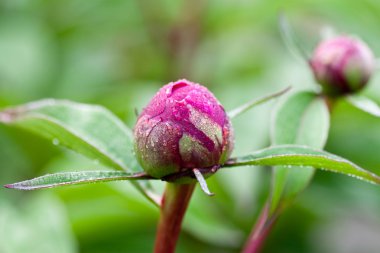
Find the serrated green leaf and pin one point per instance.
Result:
(296, 155)
(245, 107)
(87, 129)
(302, 119)
(365, 104)
(73, 178)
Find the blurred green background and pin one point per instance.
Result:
(117, 54)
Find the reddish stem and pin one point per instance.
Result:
(173, 208)
(260, 231)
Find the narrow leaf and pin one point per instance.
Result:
(202, 182)
(73, 178)
(365, 104)
(290, 40)
(243, 108)
(87, 129)
(294, 155)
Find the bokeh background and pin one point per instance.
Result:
(117, 53)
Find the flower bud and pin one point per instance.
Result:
(342, 65)
(183, 127)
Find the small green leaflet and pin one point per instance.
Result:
(74, 178)
(245, 107)
(295, 155)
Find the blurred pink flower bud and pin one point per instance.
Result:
(342, 65)
(183, 127)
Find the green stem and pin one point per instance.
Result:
(330, 102)
(173, 208)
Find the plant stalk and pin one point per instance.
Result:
(260, 231)
(173, 208)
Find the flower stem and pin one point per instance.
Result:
(173, 207)
(330, 103)
(260, 231)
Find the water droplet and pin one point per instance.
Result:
(55, 141)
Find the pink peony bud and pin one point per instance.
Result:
(183, 127)
(342, 65)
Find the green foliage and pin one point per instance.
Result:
(117, 54)
(245, 107)
(292, 155)
(303, 118)
(90, 130)
(73, 178)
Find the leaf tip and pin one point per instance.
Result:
(5, 117)
(10, 186)
(17, 186)
(9, 115)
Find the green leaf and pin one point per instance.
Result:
(87, 129)
(90, 130)
(73, 178)
(296, 155)
(245, 107)
(365, 104)
(302, 119)
(288, 117)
